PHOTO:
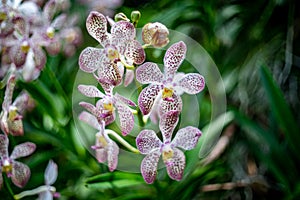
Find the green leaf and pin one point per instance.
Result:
(281, 110)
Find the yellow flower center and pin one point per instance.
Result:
(13, 113)
(25, 47)
(7, 166)
(109, 107)
(3, 16)
(167, 154)
(112, 54)
(167, 92)
(102, 141)
(50, 32)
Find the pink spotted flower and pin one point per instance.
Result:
(150, 145)
(47, 191)
(106, 106)
(120, 49)
(105, 148)
(10, 119)
(17, 171)
(163, 93)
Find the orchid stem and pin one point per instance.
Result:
(122, 141)
(8, 186)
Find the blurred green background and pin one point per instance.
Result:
(255, 46)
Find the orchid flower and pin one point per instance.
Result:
(10, 119)
(164, 90)
(120, 49)
(17, 171)
(45, 192)
(150, 145)
(106, 106)
(106, 149)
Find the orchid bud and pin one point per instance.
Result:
(155, 34)
(121, 17)
(135, 17)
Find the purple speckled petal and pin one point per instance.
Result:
(192, 83)
(129, 76)
(23, 150)
(59, 21)
(109, 73)
(149, 166)
(100, 150)
(96, 25)
(126, 118)
(122, 31)
(149, 73)
(175, 165)
(39, 57)
(112, 155)
(50, 173)
(124, 100)
(146, 141)
(173, 58)
(89, 107)
(89, 119)
(9, 92)
(3, 146)
(20, 174)
(49, 10)
(91, 59)
(90, 91)
(187, 138)
(17, 55)
(167, 124)
(16, 126)
(147, 98)
(135, 52)
(174, 105)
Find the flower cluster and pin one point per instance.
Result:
(121, 56)
(26, 29)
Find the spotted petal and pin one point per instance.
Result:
(9, 92)
(122, 31)
(173, 58)
(126, 118)
(91, 59)
(109, 72)
(147, 98)
(39, 57)
(96, 25)
(17, 55)
(101, 151)
(20, 174)
(112, 155)
(1, 178)
(124, 100)
(135, 52)
(192, 83)
(149, 73)
(187, 138)
(89, 119)
(175, 104)
(50, 173)
(49, 10)
(147, 141)
(175, 165)
(23, 150)
(167, 124)
(90, 91)
(90, 107)
(129, 76)
(3, 146)
(149, 166)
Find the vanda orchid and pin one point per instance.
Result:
(160, 100)
(120, 49)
